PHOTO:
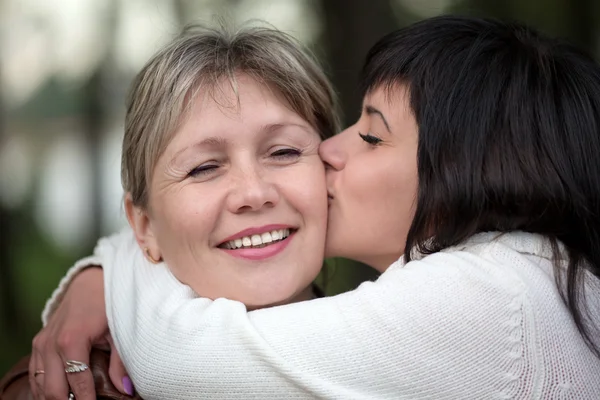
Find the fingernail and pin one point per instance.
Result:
(128, 385)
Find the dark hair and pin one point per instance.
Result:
(509, 138)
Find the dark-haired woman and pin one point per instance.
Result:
(471, 181)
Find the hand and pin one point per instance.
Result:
(77, 325)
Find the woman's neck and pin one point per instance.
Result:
(307, 294)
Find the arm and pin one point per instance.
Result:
(74, 321)
(85, 266)
(411, 335)
(77, 323)
(81, 267)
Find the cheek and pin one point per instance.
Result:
(311, 193)
(382, 196)
(177, 212)
(183, 218)
(304, 187)
(399, 200)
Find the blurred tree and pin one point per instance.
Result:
(583, 23)
(94, 120)
(351, 28)
(575, 20)
(98, 97)
(10, 317)
(501, 9)
(8, 303)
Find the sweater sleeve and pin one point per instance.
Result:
(430, 329)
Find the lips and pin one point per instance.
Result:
(254, 251)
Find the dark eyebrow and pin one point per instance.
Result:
(370, 110)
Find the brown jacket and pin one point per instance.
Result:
(15, 384)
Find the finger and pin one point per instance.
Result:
(118, 374)
(36, 382)
(81, 382)
(54, 385)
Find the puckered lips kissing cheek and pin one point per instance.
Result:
(259, 243)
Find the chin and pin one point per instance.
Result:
(277, 296)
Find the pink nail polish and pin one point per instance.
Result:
(128, 385)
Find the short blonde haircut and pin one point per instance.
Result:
(196, 61)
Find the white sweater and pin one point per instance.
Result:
(483, 320)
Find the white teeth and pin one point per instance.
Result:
(258, 240)
(266, 237)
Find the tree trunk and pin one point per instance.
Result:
(583, 23)
(9, 314)
(97, 94)
(351, 28)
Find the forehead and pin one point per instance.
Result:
(392, 101)
(245, 101)
(236, 97)
(392, 95)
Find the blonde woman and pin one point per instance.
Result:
(224, 184)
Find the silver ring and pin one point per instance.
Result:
(75, 366)
(38, 372)
(71, 396)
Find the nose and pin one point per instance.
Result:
(332, 152)
(250, 191)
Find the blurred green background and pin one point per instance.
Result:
(64, 70)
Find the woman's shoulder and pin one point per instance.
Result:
(490, 264)
(497, 253)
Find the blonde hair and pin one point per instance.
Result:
(198, 60)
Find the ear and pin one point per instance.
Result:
(139, 220)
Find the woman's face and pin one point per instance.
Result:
(372, 181)
(238, 202)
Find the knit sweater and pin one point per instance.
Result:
(483, 320)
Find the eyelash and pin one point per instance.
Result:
(286, 153)
(370, 139)
(202, 170)
(280, 154)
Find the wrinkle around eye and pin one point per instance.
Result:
(175, 172)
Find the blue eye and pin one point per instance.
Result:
(286, 153)
(371, 139)
(202, 170)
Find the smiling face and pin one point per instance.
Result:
(238, 202)
(372, 181)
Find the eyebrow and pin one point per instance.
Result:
(370, 110)
(271, 128)
(209, 142)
